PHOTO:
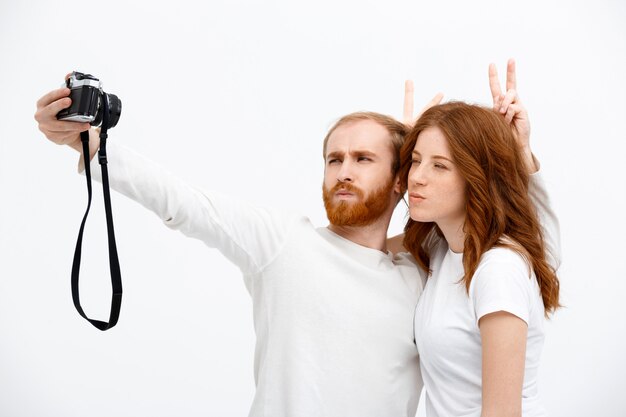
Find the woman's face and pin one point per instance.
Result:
(435, 185)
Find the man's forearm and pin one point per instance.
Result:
(248, 236)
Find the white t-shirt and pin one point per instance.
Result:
(447, 333)
(333, 319)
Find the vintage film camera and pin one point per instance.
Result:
(87, 97)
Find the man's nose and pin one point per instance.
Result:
(345, 173)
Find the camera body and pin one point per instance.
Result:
(87, 101)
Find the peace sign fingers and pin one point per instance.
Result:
(433, 102)
(407, 114)
(500, 100)
(494, 86)
(511, 81)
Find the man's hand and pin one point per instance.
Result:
(407, 114)
(509, 105)
(59, 132)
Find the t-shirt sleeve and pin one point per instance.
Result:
(502, 282)
(248, 236)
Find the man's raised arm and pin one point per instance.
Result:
(249, 236)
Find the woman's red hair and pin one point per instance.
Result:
(499, 211)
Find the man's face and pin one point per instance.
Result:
(359, 186)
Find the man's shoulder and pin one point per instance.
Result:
(404, 258)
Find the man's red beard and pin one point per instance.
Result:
(360, 213)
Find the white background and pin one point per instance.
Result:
(236, 96)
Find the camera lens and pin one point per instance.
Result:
(115, 110)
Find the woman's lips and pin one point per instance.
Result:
(416, 198)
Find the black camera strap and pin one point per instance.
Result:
(114, 264)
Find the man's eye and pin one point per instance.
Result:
(363, 158)
(332, 161)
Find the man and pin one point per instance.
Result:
(333, 310)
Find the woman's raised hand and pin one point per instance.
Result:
(407, 114)
(509, 105)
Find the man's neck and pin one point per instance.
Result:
(372, 236)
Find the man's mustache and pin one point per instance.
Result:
(344, 186)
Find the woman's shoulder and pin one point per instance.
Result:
(508, 256)
(508, 253)
(504, 280)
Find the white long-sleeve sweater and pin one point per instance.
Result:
(333, 319)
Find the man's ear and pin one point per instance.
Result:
(397, 185)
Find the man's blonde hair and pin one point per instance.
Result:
(397, 132)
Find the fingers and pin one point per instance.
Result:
(515, 112)
(433, 102)
(407, 114)
(52, 96)
(47, 112)
(506, 100)
(494, 84)
(53, 128)
(56, 106)
(511, 81)
(58, 131)
(497, 103)
(510, 114)
(509, 106)
(60, 126)
(63, 133)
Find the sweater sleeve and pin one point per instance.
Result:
(248, 236)
(547, 218)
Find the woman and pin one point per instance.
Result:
(475, 231)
